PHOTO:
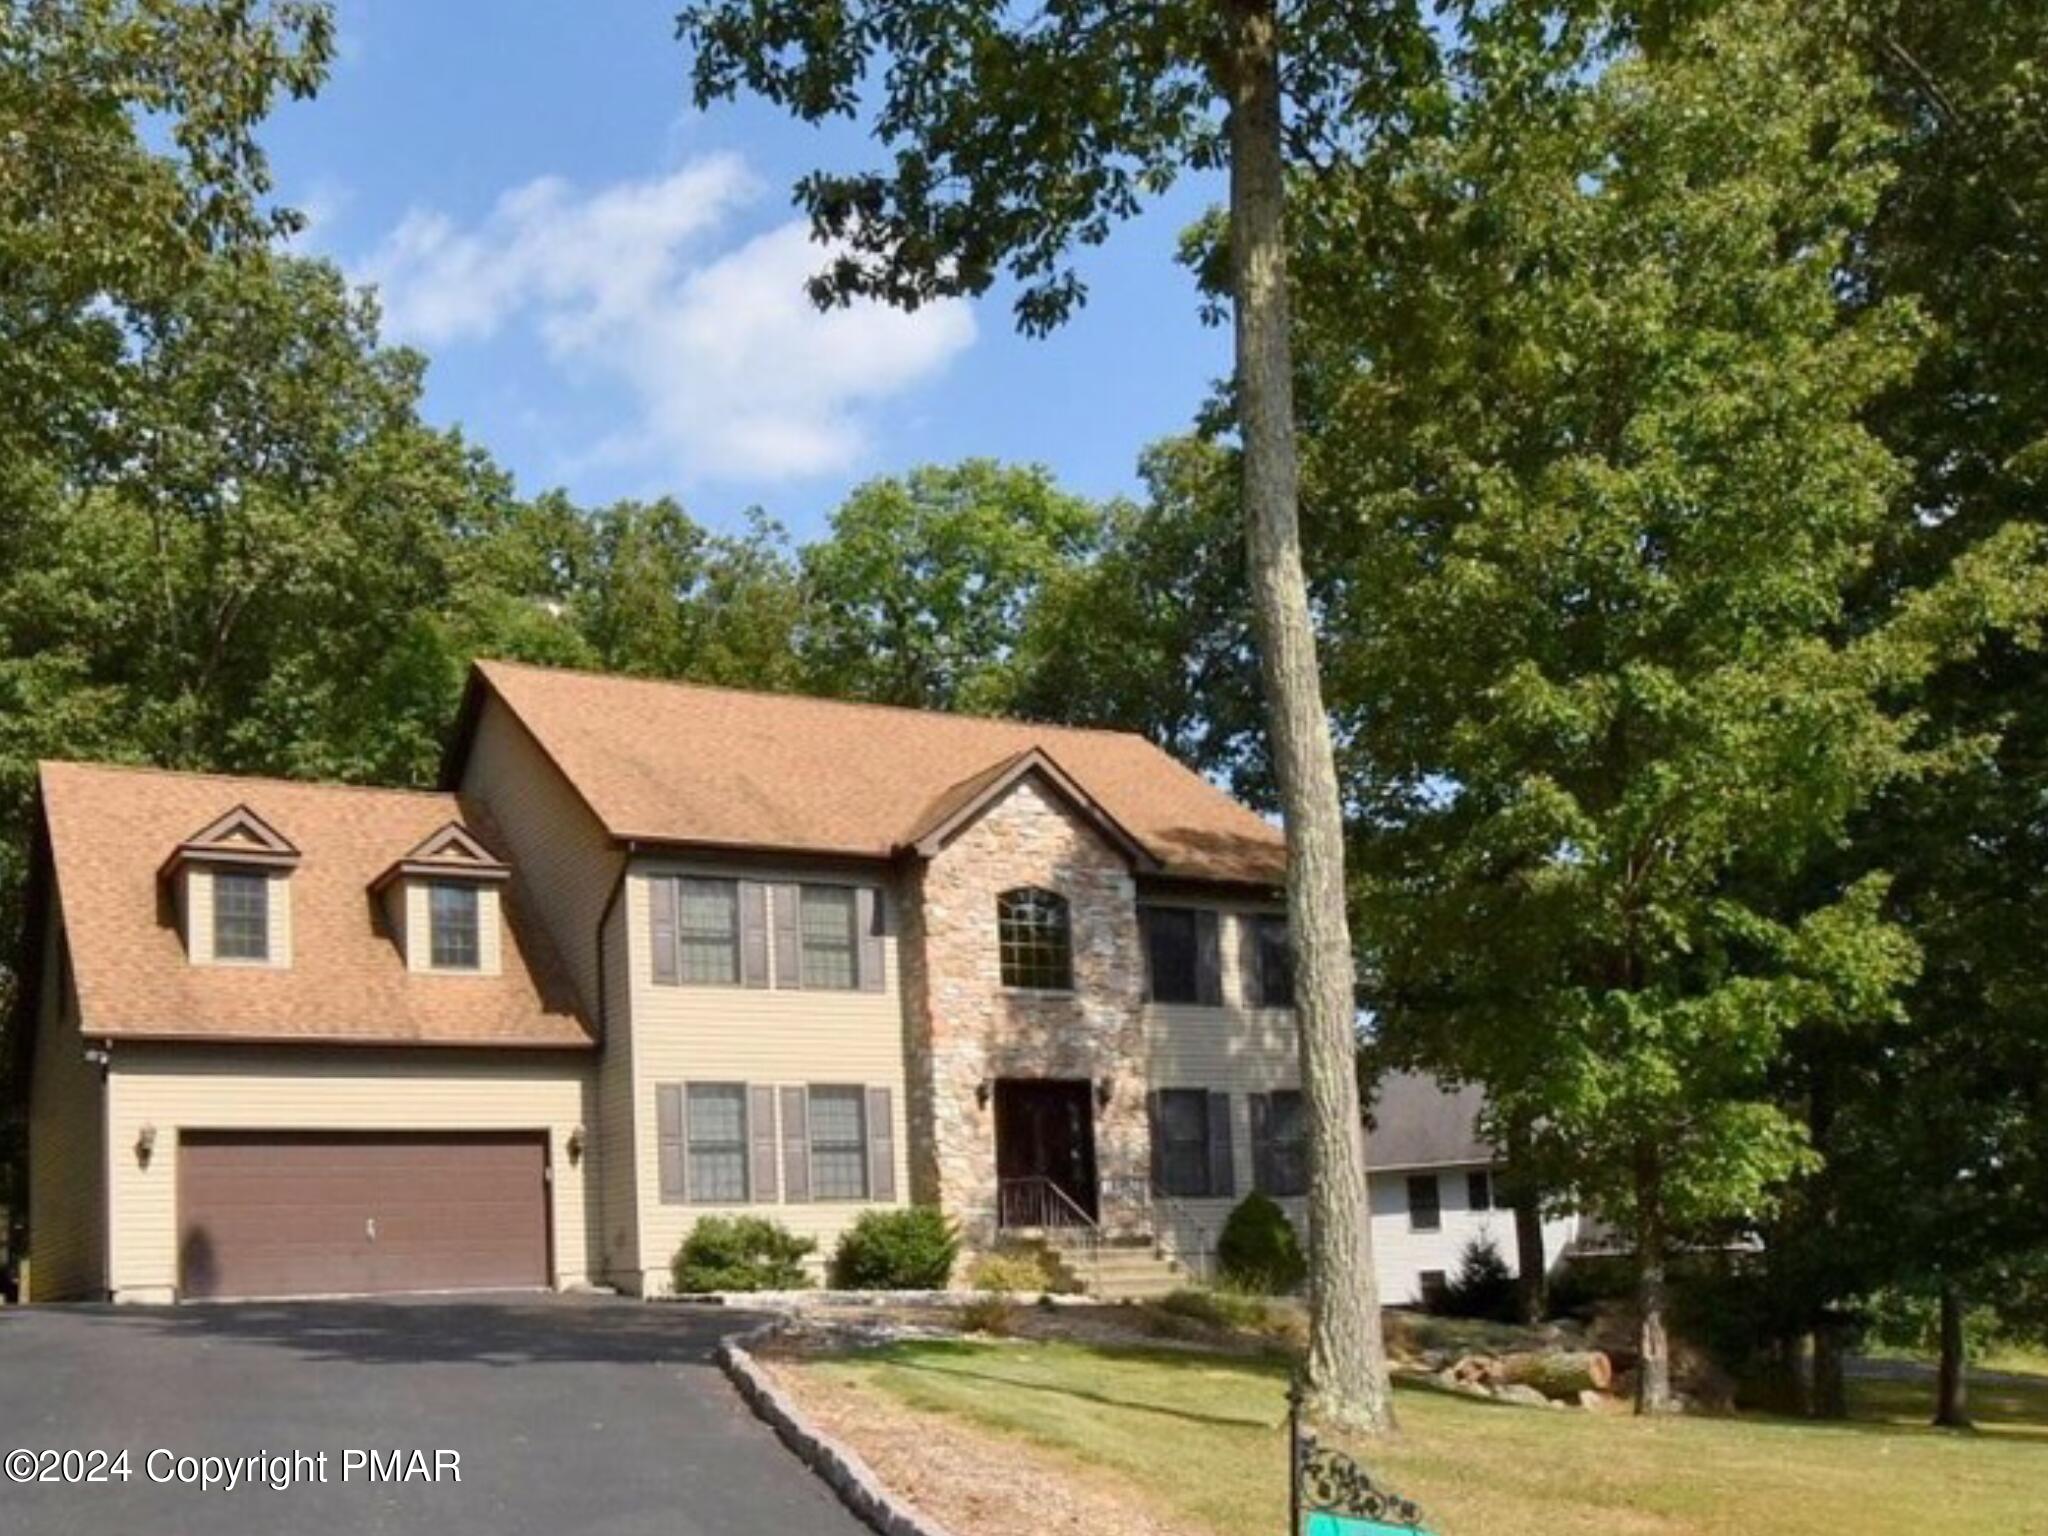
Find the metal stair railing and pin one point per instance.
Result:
(1167, 1214)
(1038, 1203)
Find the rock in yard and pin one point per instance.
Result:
(1528, 1397)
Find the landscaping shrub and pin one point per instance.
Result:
(911, 1249)
(1218, 1309)
(1026, 1271)
(994, 1315)
(1483, 1287)
(1258, 1250)
(741, 1253)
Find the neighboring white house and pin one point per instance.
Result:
(1435, 1188)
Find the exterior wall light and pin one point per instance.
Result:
(574, 1146)
(983, 1090)
(1104, 1092)
(145, 1144)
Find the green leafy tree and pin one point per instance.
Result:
(101, 221)
(1154, 634)
(1954, 1107)
(919, 594)
(1017, 135)
(1595, 435)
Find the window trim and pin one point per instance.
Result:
(744, 1145)
(1435, 1202)
(1148, 917)
(1264, 1166)
(1064, 909)
(859, 1093)
(1261, 981)
(434, 888)
(683, 937)
(803, 947)
(1202, 1144)
(261, 881)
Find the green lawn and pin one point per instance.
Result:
(1200, 1437)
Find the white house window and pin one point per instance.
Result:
(1034, 940)
(717, 1119)
(1425, 1204)
(452, 915)
(1479, 1189)
(241, 915)
(839, 1143)
(708, 931)
(826, 930)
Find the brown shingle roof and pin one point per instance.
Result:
(675, 762)
(110, 830)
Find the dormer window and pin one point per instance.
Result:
(231, 884)
(241, 915)
(441, 904)
(452, 916)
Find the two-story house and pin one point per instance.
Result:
(653, 951)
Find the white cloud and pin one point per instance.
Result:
(733, 373)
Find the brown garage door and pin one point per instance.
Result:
(274, 1213)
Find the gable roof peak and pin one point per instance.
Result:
(451, 849)
(237, 835)
(959, 806)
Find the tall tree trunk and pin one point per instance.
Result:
(1830, 1396)
(1952, 1385)
(1653, 1343)
(1532, 1264)
(1346, 1368)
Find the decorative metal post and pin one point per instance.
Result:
(1329, 1494)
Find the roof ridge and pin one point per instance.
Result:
(822, 698)
(217, 777)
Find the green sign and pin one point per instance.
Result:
(1323, 1523)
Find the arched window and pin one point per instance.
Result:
(1033, 937)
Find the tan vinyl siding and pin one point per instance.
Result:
(184, 1087)
(619, 1229)
(66, 1146)
(1228, 1049)
(765, 1036)
(198, 911)
(569, 868)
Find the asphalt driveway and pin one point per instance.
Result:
(570, 1416)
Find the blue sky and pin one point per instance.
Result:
(606, 280)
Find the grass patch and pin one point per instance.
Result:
(1200, 1437)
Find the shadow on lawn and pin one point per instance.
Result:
(962, 1362)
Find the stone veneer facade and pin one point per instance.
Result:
(966, 1029)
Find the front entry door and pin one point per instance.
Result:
(1045, 1129)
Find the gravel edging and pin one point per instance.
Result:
(851, 1478)
(798, 1301)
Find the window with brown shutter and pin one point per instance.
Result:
(1171, 960)
(839, 1142)
(826, 939)
(715, 1128)
(1280, 1158)
(708, 932)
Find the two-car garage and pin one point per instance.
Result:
(270, 1213)
(254, 1172)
